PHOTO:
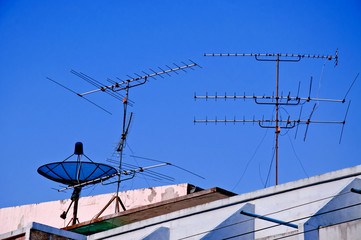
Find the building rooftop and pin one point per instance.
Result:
(316, 208)
(149, 211)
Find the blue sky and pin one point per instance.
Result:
(40, 121)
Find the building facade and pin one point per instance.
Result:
(326, 206)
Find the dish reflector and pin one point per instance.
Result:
(75, 172)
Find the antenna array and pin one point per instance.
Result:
(277, 100)
(113, 90)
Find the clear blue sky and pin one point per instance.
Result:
(40, 121)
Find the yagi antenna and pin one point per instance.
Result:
(113, 90)
(80, 95)
(96, 83)
(148, 173)
(277, 99)
(125, 85)
(150, 159)
(129, 83)
(268, 56)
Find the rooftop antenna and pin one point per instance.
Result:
(126, 85)
(75, 174)
(276, 100)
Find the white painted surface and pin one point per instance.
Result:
(295, 200)
(344, 231)
(48, 213)
(287, 202)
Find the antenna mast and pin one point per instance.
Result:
(279, 100)
(126, 85)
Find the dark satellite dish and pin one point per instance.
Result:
(75, 172)
(72, 173)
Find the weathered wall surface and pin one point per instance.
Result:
(348, 231)
(48, 213)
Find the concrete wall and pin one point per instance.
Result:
(48, 213)
(322, 207)
(344, 207)
(36, 231)
(287, 202)
(348, 231)
(177, 226)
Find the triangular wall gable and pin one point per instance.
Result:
(226, 229)
(342, 208)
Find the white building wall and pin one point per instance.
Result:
(294, 201)
(48, 213)
(343, 231)
(286, 202)
(180, 227)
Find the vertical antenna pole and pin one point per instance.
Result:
(279, 123)
(277, 128)
(120, 148)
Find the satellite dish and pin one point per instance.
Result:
(75, 172)
(72, 173)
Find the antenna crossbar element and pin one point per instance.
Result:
(277, 99)
(264, 55)
(278, 55)
(260, 121)
(124, 84)
(234, 97)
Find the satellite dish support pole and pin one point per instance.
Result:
(75, 199)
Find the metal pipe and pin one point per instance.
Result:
(269, 219)
(276, 127)
(355, 190)
(75, 199)
(120, 147)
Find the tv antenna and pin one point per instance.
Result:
(113, 90)
(278, 100)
